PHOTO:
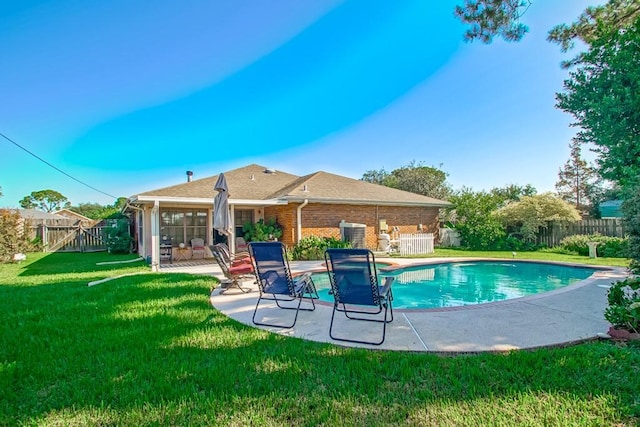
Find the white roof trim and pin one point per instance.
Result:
(172, 199)
(251, 202)
(368, 202)
(206, 201)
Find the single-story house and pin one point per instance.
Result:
(310, 205)
(67, 213)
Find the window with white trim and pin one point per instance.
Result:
(182, 225)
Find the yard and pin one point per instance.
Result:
(149, 349)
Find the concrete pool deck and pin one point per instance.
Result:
(568, 315)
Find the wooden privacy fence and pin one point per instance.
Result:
(71, 238)
(555, 232)
(416, 244)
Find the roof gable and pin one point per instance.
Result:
(67, 213)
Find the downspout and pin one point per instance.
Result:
(299, 219)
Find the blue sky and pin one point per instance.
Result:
(127, 96)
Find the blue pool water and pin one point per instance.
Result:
(464, 283)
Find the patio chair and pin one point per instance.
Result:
(276, 283)
(238, 256)
(234, 272)
(197, 246)
(356, 289)
(241, 245)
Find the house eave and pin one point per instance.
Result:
(333, 201)
(171, 199)
(250, 202)
(202, 201)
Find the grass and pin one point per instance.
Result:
(150, 350)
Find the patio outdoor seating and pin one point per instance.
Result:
(241, 245)
(238, 256)
(234, 272)
(276, 283)
(197, 246)
(356, 289)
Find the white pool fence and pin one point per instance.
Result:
(416, 244)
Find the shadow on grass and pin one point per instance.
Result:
(74, 262)
(151, 349)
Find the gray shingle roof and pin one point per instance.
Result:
(249, 182)
(324, 186)
(37, 214)
(255, 182)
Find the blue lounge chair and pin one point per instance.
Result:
(356, 290)
(276, 283)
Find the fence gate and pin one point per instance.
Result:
(72, 238)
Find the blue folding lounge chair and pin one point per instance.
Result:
(356, 290)
(275, 281)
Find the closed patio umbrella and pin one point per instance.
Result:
(221, 216)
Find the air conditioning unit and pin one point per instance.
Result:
(354, 233)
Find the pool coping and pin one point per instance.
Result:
(558, 318)
(567, 288)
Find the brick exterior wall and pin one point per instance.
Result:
(323, 220)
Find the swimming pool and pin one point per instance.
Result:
(453, 284)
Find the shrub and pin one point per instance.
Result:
(624, 305)
(611, 247)
(530, 213)
(262, 231)
(478, 228)
(313, 247)
(118, 237)
(14, 235)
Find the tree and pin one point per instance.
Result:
(414, 177)
(530, 213)
(603, 95)
(14, 234)
(575, 183)
(490, 18)
(471, 214)
(615, 14)
(513, 192)
(376, 176)
(631, 211)
(46, 200)
(98, 211)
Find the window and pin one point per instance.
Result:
(241, 216)
(182, 225)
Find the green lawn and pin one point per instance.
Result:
(150, 350)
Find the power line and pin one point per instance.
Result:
(54, 167)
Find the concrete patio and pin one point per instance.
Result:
(568, 315)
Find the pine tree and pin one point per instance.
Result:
(576, 179)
